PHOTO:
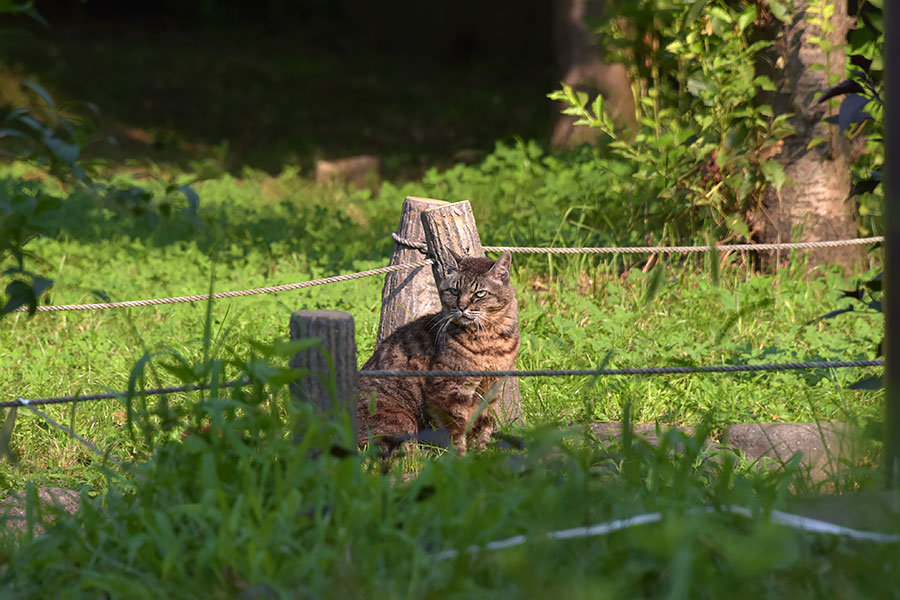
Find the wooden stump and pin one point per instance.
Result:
(332, 385)
(452, 226)
(407, 295)
(362, 171)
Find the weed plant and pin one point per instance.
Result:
(243, 492)
(576, 311)
(259, 497)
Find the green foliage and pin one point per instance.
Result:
(862, 111)
(577, 311)
(50, 140)
(603, 321)
(521, 190)
(820, 14)
(703, 141)
(25, 210)
(259, 497)
(532, 198)
(220, 498)
(861, 114)
(47, 135)
(244, 492)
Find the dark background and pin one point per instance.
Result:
(270, 83)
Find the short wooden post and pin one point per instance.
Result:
(452, 226)
(332, 385)
(407, 295)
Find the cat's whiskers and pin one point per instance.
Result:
(441, 335)
(439, 320)
(475, 315)
(439, 325)
(492, 322)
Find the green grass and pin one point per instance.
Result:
(243, 492)
(242, 509)
(576, 313)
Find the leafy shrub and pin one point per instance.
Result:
(54, 141)
(703, 143)
(523, 196)
(259, 497)
(25, 209)
(50, 140)
(861, 113)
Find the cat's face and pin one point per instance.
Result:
(477, 290)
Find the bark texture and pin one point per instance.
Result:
(450, 227)
(407, 295)
(333, 361)
(814, 203)
(580, 64)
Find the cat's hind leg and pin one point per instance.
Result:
(454, 417)
(390, 425)
(482, 429)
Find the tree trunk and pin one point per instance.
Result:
(814, 203)
(580, 65)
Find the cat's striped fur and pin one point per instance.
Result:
(477, 329)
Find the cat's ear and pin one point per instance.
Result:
(500, 270)
(455, 259)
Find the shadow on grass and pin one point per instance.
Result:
(248, 98)
(311, 220)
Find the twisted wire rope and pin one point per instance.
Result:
(112, 395)
(422, 247)
(792, 366)
(834, 364)
(200, 297)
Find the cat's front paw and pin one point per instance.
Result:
(482, 438)
(459, 442)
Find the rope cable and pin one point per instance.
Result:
(422, 247)
(835, 364)
(630, 371)
(235, 294)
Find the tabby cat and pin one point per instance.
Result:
(477, 329)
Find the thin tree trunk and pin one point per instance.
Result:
(814, 203)
(580, 64)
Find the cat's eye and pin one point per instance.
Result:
(453, 291)
(480, 294)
